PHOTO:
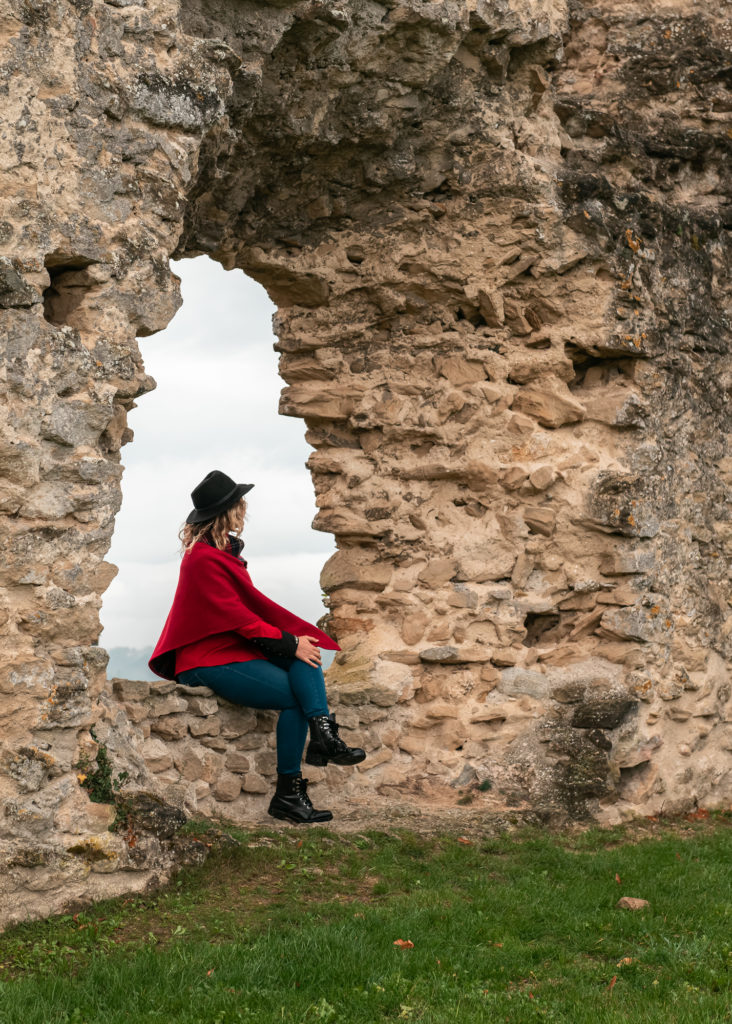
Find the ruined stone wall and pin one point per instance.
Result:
(497, 236)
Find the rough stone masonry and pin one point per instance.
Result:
(497, 237)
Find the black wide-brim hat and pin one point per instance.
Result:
(215, 493)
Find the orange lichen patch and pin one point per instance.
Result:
(632, 240)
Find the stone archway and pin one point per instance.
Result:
(497, 248)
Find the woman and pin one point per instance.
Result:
(223, 633)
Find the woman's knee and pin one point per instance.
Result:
(251, 684)
(301, 672)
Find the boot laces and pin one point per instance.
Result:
(301, 790)
(331, 727)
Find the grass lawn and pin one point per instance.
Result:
(300, 926)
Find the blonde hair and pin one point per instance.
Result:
(230, 521)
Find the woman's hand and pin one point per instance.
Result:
(308, 651)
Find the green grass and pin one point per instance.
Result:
(299, 926)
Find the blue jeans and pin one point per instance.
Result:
(287, 685)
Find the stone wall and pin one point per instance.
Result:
(208, 756)
(497, 236)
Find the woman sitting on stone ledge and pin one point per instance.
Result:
(223, 633)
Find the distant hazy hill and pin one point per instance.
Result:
(131, 663)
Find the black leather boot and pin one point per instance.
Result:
(326, 745)
(292, 803)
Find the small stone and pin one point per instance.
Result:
(621, 563)
(170, 727)
(203, 706)
(214, 743)
(438, 571)
(157, 756)
(569, 693)
(640, 754)
(130, 689)
(634, 624)
(204, 726)
(358, 569)
(412, 744)
(540, 520)
(147, 813)
(194, 691)
(441, 709)
(188, 762)
(266, 762)
(503, 657)
(489, 715)
(237, 762)
(200, 789)
(518, 681)
(670, 689)
(439, 654)
(162, 688)
(254, 783)
(227, 787)
(374, 760)
(552, 408)
(460, 371)
(213, 765)
(136, 711)
(542, 478)
(413, 628)
(632, 903)
(166, 705)
(606, 712)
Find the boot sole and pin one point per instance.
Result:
(320, 761)
(299, 821)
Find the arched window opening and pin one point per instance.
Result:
(215, 407)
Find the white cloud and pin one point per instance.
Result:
(215, 407)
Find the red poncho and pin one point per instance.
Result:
(215, 594)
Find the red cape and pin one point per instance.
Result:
(215, 594)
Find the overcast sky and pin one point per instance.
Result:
(215, 407)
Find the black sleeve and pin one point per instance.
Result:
(285, 647)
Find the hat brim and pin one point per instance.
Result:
(205, 514)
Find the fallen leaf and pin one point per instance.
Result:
(465, 841)
(617, 878)
(611, 986)
(698, 815)
(209, 973)
(404, 943)
(624, 961)
(632, 903)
